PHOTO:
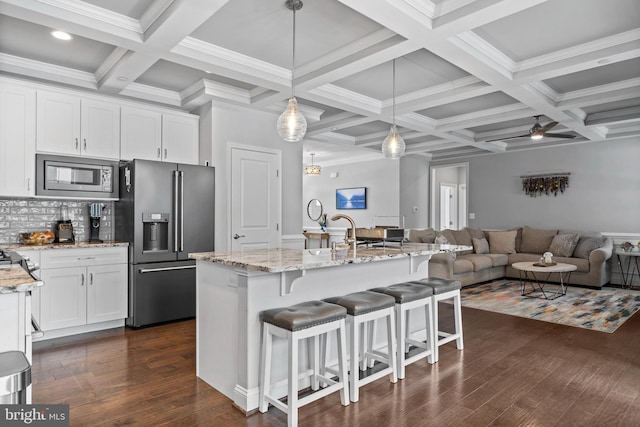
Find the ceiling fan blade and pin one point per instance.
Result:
(510, 137)
(559, 135)
(547, 127)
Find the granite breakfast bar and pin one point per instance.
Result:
(234, 287)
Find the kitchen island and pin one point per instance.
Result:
(234, 287)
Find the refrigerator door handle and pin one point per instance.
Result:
(181, 211)
(154, 270)
(175, 211)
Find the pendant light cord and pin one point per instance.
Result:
(293, 56)
(393, 85)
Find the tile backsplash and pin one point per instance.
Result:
(27, 215)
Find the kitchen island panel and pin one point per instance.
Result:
(229, 300)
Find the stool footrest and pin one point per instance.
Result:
(446, 337)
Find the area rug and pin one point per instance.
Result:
(601, 310)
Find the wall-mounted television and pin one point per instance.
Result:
(351, 198)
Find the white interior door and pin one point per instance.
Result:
(448, 207)
(255, 199)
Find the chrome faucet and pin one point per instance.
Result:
(348, 240)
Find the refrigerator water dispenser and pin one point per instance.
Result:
(155, 234)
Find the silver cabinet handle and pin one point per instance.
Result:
(82, 281)
(165, 153)
(85, 144)
(237, 236)
(80, 258)
(91, 278)
(76, 143)
(158, 152)
(155, 270)
(28, 184)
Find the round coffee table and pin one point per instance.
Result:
(529, 272)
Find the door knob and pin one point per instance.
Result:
(237, 236)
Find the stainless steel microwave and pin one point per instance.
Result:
(63, 176)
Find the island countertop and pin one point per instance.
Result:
(13, 278)
(277, 260)
(48, 246)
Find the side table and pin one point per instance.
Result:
(320, 236)
(632, 266)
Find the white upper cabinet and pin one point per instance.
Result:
(141, 135)
(152, 135)
(180, 138)
(17, 141)
(67, 124)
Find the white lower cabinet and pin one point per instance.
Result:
(82, 287)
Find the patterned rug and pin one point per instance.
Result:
(601, 310)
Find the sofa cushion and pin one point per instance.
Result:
(475, 233)
(563, 244)
(462, 266)
(441, 258)
(480, 262)
(447, 234)
(586, 244)
(480, 246)
(427, 235)
(502, 242)
(536, 241)
(518, 238)
(498, 260)
(462, 237)
(582, 264)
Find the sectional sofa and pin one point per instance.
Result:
(496, 250)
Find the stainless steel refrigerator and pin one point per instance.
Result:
(165, 212)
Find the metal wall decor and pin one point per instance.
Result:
(537, 185)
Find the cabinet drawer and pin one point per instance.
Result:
(61, 258)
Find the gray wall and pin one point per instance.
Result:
(414, 191)
(603, 193)
(381, 178)
(223, 124)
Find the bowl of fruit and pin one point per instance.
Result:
(38, 237)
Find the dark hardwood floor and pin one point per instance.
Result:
(512, 372)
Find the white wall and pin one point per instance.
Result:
(603, 193)
(221, 125)
(381, 177)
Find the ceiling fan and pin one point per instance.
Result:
(538, 131)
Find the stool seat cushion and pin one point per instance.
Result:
(439, 286)
(304, 315)
(364, 302)
(406, 292)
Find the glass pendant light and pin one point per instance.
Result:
(393, 146)
(312, 169)
(292, 125)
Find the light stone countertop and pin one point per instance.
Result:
(13, 278)
(281, 259)
(76, 245)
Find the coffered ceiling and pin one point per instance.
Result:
(469, 74)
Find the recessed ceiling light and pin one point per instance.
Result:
(122, 78)
(61, 35)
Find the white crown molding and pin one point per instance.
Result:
(152, 94)
(107, 65)
(154, 12)
(484, 51)
(339, 95)
(46, 71)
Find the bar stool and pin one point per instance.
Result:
(298, 322)
(410, 296)
(444, 289)
(363, 307)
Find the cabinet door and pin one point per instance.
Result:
(140, 136)
(107, 293)
(58, 123)
(100, 129)
(63, 298)
(17, 141)
(180, 139)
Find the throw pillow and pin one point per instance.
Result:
(536, 241)
(480, 246)
(441, 240)
(564, 244)
(502, 242)
(586, 244)
(448, 234)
